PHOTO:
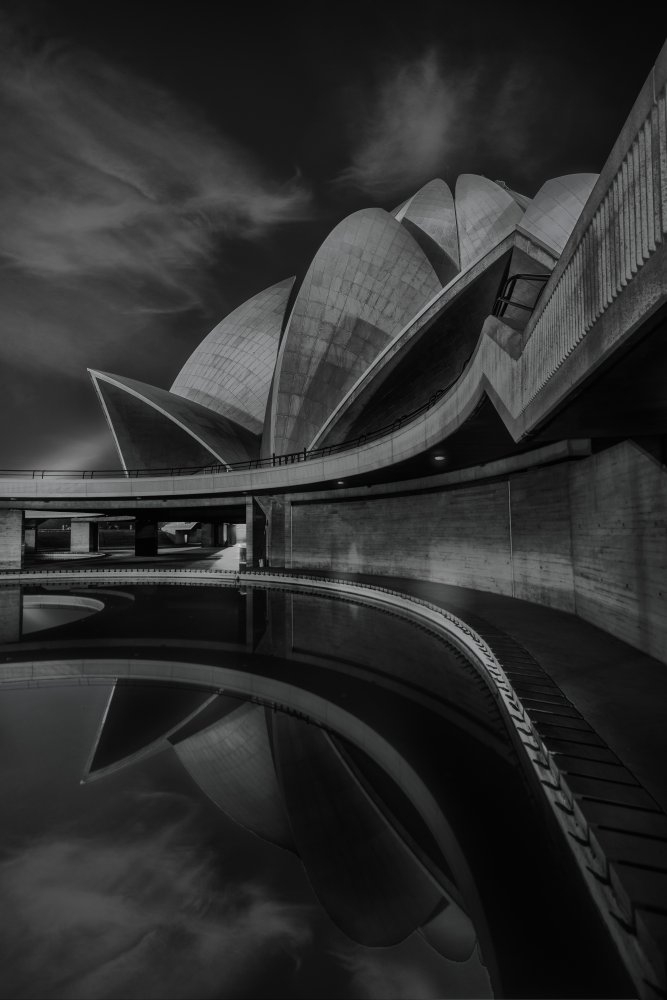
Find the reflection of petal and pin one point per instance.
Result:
(365, 877)
(232, 763)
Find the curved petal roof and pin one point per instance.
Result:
(231, 370)
(232, 763)
(486, 213)
(553, 212)
(155, 429)
(367, 280)
(432, 210)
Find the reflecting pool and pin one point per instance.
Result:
(217, 792)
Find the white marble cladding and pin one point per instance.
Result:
(231, 370)
(367, 280)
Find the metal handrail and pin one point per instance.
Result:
(275, 461)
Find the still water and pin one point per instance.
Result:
(221, 793)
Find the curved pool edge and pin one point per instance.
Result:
(612, 901)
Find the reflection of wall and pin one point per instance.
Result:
(10, 613)
(11, 539)
(587, 536)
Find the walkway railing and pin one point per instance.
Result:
(274, 461)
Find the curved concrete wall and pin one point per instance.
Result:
(231, 370)
(155, 429)
(367, 280)
(485, 213)
(553, 212)
(588, 537)
(431, 218)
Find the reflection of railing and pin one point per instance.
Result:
(505, 298)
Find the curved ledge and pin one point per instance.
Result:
(549, 781)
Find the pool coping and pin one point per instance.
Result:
(627, 922)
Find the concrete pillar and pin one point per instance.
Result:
(11, 539)
(255, 535)
(249, 532)
(208, 535)
(11, 613)
(145, 536)
(30, 539)
(84, 536)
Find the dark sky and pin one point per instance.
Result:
(160, 163)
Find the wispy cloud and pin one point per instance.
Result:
(403, 126)
(95, 918)
(410, 971)
(103, 172)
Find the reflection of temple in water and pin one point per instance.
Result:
(347, 734)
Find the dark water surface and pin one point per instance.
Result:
(211, 793)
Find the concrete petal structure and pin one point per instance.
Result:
(230, 372)
(368, 279)
(553, 212)
(485, 212)
(431, 218)
(291, 371)
(232, 763)
(155, 429)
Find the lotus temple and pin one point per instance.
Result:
(454, 418)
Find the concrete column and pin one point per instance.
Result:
(259, 537)
(249, 532)
(84, 536)
(208, 535)
(11, 613)
(145, 536)
(30, 539)
(11, 539)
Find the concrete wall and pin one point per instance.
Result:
(84, 536)
(11, 539)
(619, 540)
(11, 613)
(588, 537)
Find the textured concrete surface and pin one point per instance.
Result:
(587, 536)
(156, 429)
(11, 539)
(553, 213)
(231, 370)
(485, 212)
(431, 218)
(83, 536)
(367, 280)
